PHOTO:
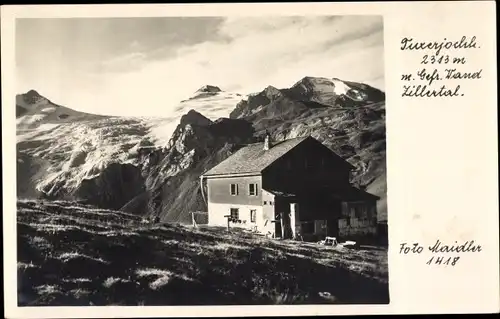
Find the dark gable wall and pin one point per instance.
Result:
(292, 168)
(311, 208)
(218, 190)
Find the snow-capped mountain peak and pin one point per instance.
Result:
(209, 89)
(210, 101)
(30, 99)
(335, 92)
(320, 85)
(33, 110)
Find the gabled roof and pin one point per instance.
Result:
(253, 158)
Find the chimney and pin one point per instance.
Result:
(267, 141)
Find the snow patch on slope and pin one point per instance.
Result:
(213, 107)
(339, 87)
(79, 150)
(48, 109)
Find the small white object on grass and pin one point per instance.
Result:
(349, 243)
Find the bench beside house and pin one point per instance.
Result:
(297, 188)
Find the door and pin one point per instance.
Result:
(287, 226)
(277, 224)
(332, 228)
(320, 227)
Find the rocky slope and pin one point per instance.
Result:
(126, 166)
(172, 173)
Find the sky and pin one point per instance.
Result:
(146, 66)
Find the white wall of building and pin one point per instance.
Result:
(217, 211)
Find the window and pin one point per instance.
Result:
(253, 215)
(271, 203)
(360, 211)
(372, 211)
(234, 189)
(353, 212)
(265, 202)
(235, 214)
(357, 210)
(252, 189)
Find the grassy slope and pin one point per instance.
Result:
(69, 254)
